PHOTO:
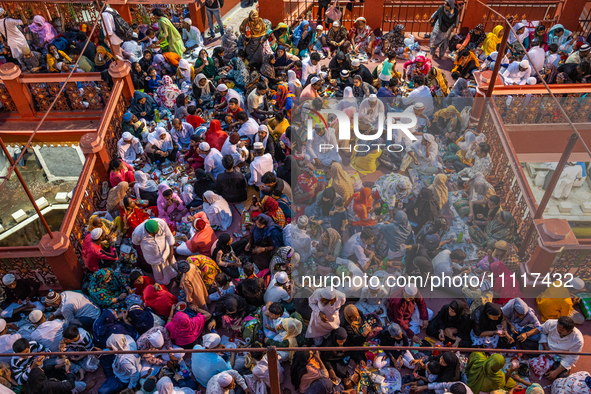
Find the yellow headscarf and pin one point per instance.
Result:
(492, 40)
(293, 328)
(341, 181)
(441, 81)
(440, 190)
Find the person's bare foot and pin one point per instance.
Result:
(90, 385)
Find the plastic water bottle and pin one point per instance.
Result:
(156, 116)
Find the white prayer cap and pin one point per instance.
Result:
(188, 20)
(8, 279)
(282, 277)
(303, 221)
(532, 81)
(584, 48)
(156, 339)
(411, 290)
(2, 11)
(355, 62)
(524, 64)
(96, 233)
(319, 27)
(35, 316)
(225, 379)
(419, 106)
(2, 325)
(258, 145)
(373, 97)
(578, 284)
(211, 340)
(204, 146)
(335, 23)
(263, 128)
(314, 80)
(374, 284)
(127, 136)
(323, 74)
(328, 294)
(222, 87)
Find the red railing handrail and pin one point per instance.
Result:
(505, 90)
(60, 77)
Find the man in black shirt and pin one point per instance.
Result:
(231, 184)
(19, 296)
(90, 51)
(271, 183)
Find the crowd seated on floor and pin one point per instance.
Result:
(216, 204)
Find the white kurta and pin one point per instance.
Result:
(213, 162)
(14, 37)
(49, 334)
(513, 75)
(566, 181)
(129, 152)
(324, 148)
(156, 250)
(259, 167)
(109, 26)
(232, 149)
(317, 328)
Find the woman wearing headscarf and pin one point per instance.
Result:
(283, 60)
(504, 277)
(330, 243)
(120, 171)
(502, 228)
(142, 106)
(253, 29)
(145, 188)
(126, 367)
(266, 236)
(540, 34)
(360, 207)
(132, 215)
(485, 373)
(557, 34)
(549, 73)
(140, 319)
(224, 255)
(217, 210)
(229, 43)
(160, 146)
(166, 386)
(107, 288)
(450, 368)
(267, 70)
(355, 325)
(168, 36)
(55, 56)
(521, 319)
(291, 333)
(456, 151)
(202, 240)
(138, 77)
(362, 37)
(218, 58)
(229, 312)
(452, 325)
(522, 34)
(193, 284)
(215, 136)
(203, 89)
(475, 38)
(270, 207)
(341, 181)
(44, 30)
(466, 62)
(167, 93)
(422, 155)
(239, 72)
(366, 162)
(281, 36)
(394, 39)
(185, 72)
(489, 45)
(485, 331)
(446, 120)
(443, 21)
(395, 235)
(115, 198)
(460, 95)
(419, 66)
(440, 191)
(159, 299)
(294, 84)
(184, 330)
(320, 210)
(334, 360)
(103, 59)
(437, 82)
(306, 368)
(170, 205)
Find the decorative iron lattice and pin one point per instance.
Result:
(574, 261)
(537, 109)
(7, 103)
(35, 268)
(507, 187)
(76, 97)
(114, 131)
(142, 13)
(62, 14)
(546, 12)
(414, 15)
(294, 11)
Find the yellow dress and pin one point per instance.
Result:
(554, 302)
(365, 164)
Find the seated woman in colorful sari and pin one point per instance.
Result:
(270, 207)
(266, 237)
(282, 38)
(419, 66)
(503, 228)
(120, 171)
(205, 65)
(360, 208)
(366, 162)
(465, 63)
(203, 238)
(132, 215)
(437, 83)
(108, 288)
(284, 60)
(445, 121)
(170, 205)
(303, 38)
(362, 37)
(284, 99)
(485, 374)
(456, 151)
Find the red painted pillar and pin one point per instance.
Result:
(19, 92)
(273, 10)
(62, 259)
(474, 13)
(374, 13)
(197, 13)
(121, 70)
(571, 12)
(124, 11)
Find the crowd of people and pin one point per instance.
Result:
(219, 199)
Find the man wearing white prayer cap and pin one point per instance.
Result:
(373, 298)
(7, 340)
(325, 304)
(517, 73)
(226, 382)
(206, 366)
(261, 164)
(129, 148)
(158, 338)
(212, 159)
(408, 309)
(312, 89)
(278, 289)
(191, 35)
(19, 292)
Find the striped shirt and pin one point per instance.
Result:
(21, 366)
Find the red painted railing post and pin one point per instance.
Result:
(473, 13)
(121, 70)
(19, 92)
(272, 10)
(374, 18)
(62, 259)
(124, 11)
(274, 379)
(197, 14)
(571, 12)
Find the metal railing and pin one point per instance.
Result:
(546, 12)
(414, 15)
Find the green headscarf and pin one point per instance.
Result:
(535, 389)
(485, 374)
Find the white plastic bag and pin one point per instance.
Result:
(90, 363)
